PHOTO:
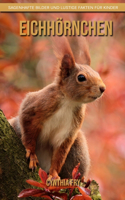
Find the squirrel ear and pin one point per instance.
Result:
(65, 56)
(80, 50)
(67, 65)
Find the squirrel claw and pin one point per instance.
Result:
(34, 168)
(33, 160)
(50, 177)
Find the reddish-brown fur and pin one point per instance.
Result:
(65, 95)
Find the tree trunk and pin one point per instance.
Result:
(14, 169)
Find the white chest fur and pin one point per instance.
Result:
(57, 128)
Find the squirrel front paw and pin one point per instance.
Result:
(50, 177)
(53, 175)
(33, 159)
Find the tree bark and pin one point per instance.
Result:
(14, 169)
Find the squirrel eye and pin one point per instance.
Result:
(81, 78)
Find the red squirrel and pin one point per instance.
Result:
(50, 119)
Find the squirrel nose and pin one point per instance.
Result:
(102, 89)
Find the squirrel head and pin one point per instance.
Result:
(78, 82)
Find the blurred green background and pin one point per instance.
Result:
(28, 64)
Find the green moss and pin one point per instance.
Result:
(14, 169)
(95, 195)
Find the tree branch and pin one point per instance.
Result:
(14, 169)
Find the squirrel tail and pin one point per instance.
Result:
(14, 122)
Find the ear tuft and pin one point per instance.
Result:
(67, 65)
(61, 48)
(80, 50)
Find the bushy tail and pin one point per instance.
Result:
(14, 122)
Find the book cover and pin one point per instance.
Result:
(28, 64)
